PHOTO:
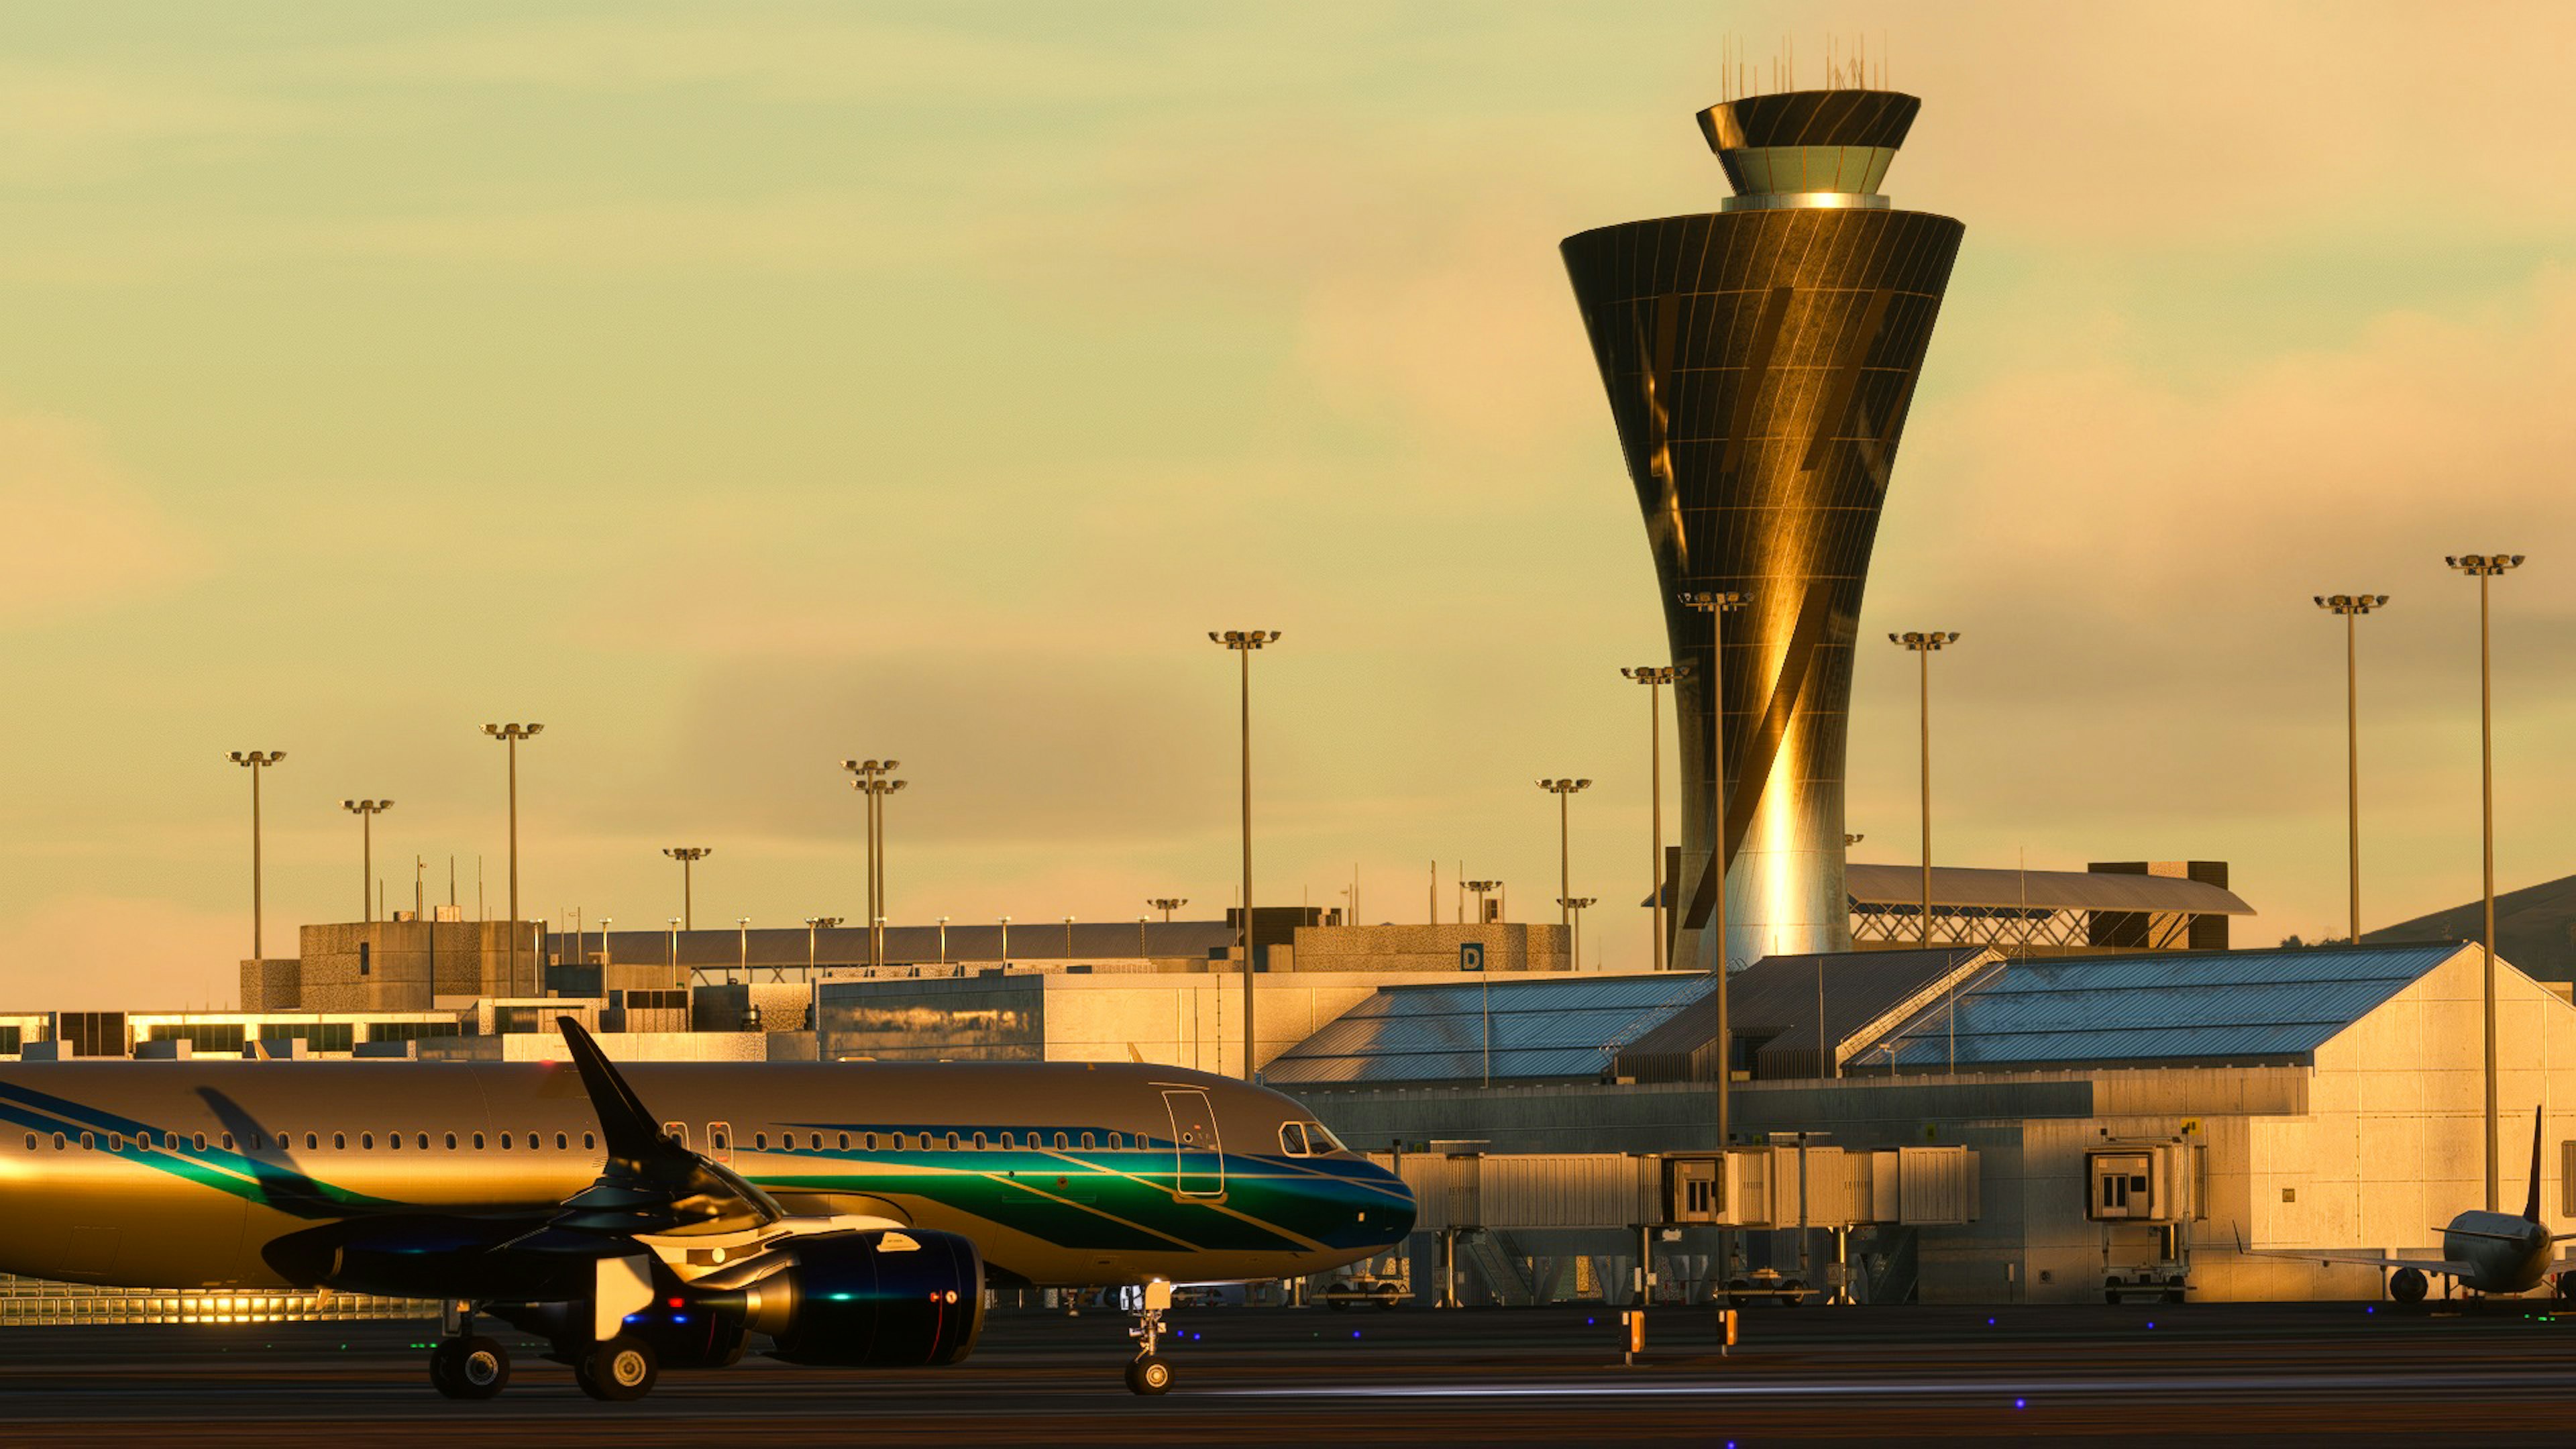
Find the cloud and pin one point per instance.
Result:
(70, 125)
(77, 533)
(95, 952)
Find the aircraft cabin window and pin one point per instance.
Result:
(979, 1141)
(89, 1142)
(868, 1140)
(227, 1140)
(421, 1141)
(535, 1141)
(142, 1141)
(1292, 1138)
(58, 1142)
(394, 1141)
(200, 1141)
(1118, 1141)
(451, 1142)
(952, 1141)
(312, 1142)
(818, 1141)
(505, 1141)
(1010, 1139)
(1060, 1143)
(588, 1142)
(760, 1142)
(339, 1141)
(1086, 1142)
(562, 1143)
(116, 1142)
(478, 1141)
(31, 1142)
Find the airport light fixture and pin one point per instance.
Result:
(1655, 677)
(2484, 567)
(1141, 923)
(1480, 889)
(1243, 642)
(2352, 607)
(814, 924)
(1006, 940)
(743, 925)
(875, 780)
(256, 762)
(943, 940)
(604, 962)
(675, 948)
(1564, 790)
(510, 735)
(367, 811)
(688, 856)
(1574, 906)
(1068, 938)
(1713, 954)
(1925, 646)
(1168, 904)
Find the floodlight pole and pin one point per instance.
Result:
(1243, 642)
(2484, 567)
(2352, 607)
(367, 811)
(255, 761)
(1564, 790)
(1655, 677)
(1925, 646)
(688, 856)
(511, 734)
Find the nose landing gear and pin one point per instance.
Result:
(1147, 1373)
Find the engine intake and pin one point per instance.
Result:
(878, 1298)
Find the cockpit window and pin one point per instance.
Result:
(1321, 1140)
(1292, 1138)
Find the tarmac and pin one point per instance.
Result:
(2215, 1373)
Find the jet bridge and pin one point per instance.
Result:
(1474, 1201)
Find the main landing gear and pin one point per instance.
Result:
(1147, 1373)
(466, 1365)
(618, 1371)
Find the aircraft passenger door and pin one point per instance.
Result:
(1199, 1157)
(720, 1142)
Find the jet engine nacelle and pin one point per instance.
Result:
(877, 1298)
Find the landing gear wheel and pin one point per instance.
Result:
(1148, 1374)
(618, 1371)
(2407, 1285)
(2565, 1287)
(469, 1368)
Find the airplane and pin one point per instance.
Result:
(857, 1222)
(2483, 1252)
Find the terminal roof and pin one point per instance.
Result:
(1504, 1030)
(2238, 1007)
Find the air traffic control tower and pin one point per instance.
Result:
(1760, 362)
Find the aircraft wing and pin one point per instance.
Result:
(2446, 1267)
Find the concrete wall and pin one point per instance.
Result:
(407, 966)
(1508, 947)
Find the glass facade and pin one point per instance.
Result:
(977, 1018)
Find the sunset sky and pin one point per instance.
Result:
(735, 388)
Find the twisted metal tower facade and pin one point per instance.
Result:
(1760, 362)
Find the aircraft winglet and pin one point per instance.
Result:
(624, 1121)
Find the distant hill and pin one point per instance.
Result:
(2535, 928)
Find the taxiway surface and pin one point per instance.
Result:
(2214, 1373)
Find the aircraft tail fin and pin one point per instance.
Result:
(2539, 1121)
